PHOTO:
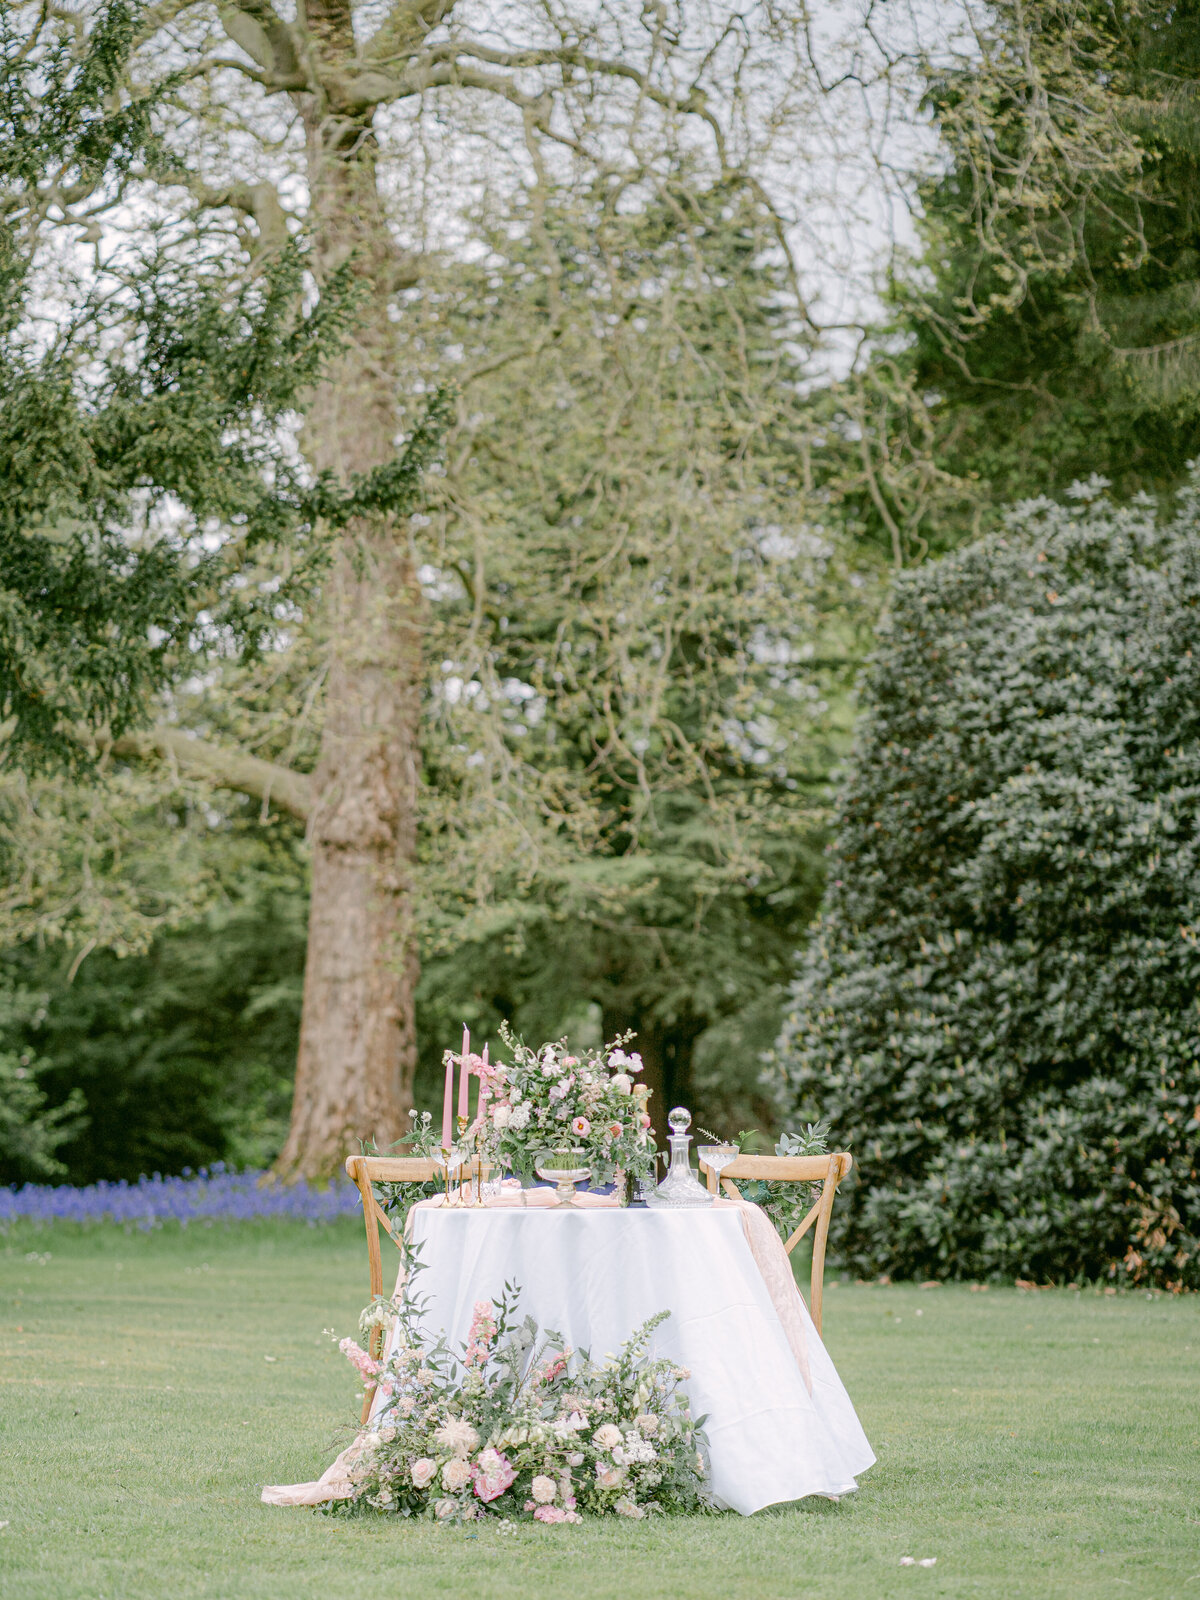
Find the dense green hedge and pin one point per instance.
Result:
(1000, 1005)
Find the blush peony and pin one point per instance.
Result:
(607, 1436)
(543, 1489)
(493, 1475)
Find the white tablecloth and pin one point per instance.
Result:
(596, 1275)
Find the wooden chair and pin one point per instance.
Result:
(367, 1171)
(827, 1170)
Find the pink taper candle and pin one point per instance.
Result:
(464, 1082)
(448, 1106)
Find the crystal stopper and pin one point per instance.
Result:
(680, 1120)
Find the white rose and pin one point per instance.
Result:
(622, 1083)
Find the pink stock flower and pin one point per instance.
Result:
(358, 1358)
(581, 1127)
(483, 1331)
(551, 1368)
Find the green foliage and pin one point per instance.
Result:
(999, 1004)
(643, 634)
(151, 504)
(30, 1132)
(1056, 306)
(180, 1056)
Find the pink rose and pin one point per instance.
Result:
(609, 1477)
(422, 1472)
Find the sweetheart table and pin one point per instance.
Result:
(780, 1425)
(596, 1274)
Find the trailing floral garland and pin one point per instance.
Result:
(520, 1426)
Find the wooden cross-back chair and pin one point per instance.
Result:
(827, 1170)
(367, 1171)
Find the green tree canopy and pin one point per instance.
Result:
(152, 505)
(999, 1006)
(1055, 307)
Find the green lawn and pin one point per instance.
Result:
(1038, 1445)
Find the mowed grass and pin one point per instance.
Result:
(1038, 1445)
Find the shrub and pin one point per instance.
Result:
(999, 1003)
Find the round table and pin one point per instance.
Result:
(596, 1275)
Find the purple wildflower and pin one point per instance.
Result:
(210, 1195)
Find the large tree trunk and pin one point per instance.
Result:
(357, 1041)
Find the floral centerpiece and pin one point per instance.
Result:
(520, 1426)
(558, 1099)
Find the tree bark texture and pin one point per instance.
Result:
(357, 1050)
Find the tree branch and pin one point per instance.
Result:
(228, 769)
(257, 200)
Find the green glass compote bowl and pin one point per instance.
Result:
(564, 1169)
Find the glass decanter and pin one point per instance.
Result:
(679, 1188)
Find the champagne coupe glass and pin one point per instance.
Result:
(448, 1161)
(716, 1157)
